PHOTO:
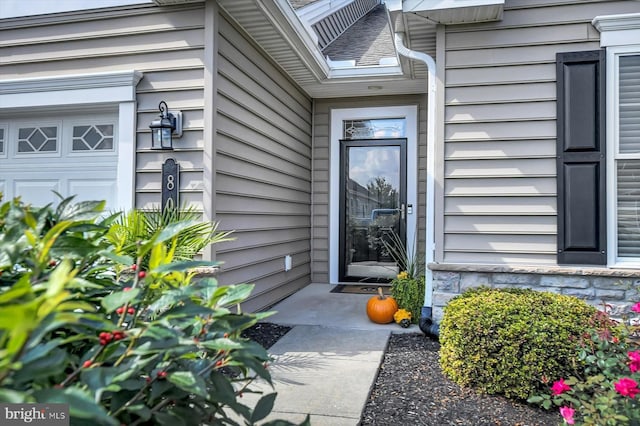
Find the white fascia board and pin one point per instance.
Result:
(71, 82)
(366, 72)
(95, 88)
(174, 2)
(319, 10)
(431, 5)
(297, 35)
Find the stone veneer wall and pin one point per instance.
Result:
(616, 287)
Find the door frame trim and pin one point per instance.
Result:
(410, 114)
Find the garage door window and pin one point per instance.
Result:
(3, 135)
(69, 154)
(38, 139)
(93, 138)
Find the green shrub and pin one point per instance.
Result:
(84, 323)
(509, 341)
(409, 294)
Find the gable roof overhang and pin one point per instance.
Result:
(276, 28)
(287, 39)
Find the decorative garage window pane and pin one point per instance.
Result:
(37, 139)
(629, 208)
(2, 136)
(93, 138)
(629, 104)
(383, 128)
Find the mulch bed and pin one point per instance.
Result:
(411, 390)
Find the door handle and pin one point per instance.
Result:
(402, 211)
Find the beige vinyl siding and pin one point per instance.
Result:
(321, 161)
(500, 129)
(165, 44)
(263, 171)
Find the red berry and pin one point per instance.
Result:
(142, 274)
(103, 334)
(226, 335)
(103, 342)
(52, 263)
(131, 311)
(120, 310)
(162, 374)
(126, 289)
(108, 337)
(148, 379)
(219, 363)
(86, 364)
(118, 335)
(134, 267)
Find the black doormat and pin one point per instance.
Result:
(361, 289)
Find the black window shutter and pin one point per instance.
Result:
(582, 238)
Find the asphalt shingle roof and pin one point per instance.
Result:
(366, 41)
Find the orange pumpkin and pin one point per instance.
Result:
(380, 308)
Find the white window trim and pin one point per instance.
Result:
(79, 91)
(620, 35)
(410, 114)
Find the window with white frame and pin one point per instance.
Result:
(625, 153)
(620, 37)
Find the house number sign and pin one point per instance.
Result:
(170, 184)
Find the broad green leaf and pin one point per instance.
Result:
(221, 390)
(11, 396)
(50, 239)
(163, 418)
(221, 344)
(236, 294)
(47, 366)
(188, 381)
(83, 210)
(81, 404)
(61, 275)
(185, 266)
(39, 351)
(119, 259)
(21, 288)
(263, 407)
(141, 411)
(118, 299)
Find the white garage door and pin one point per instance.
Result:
(71, 155)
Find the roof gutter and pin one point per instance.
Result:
(427, 325)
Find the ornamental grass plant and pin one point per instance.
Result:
(408, 286)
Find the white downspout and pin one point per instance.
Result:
(431, 164)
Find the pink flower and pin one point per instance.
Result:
(567, 414)
(635, 361)
(636, 307)
(559, 387)
(627, 387)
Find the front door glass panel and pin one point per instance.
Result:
(372, 208)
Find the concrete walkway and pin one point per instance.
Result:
(326, 365)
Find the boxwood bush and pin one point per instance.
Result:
(510, 341)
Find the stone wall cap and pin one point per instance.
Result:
(536, 269)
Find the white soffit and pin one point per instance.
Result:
(456, 11)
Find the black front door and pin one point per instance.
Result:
(372, 207)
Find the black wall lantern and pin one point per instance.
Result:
(165, 128)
